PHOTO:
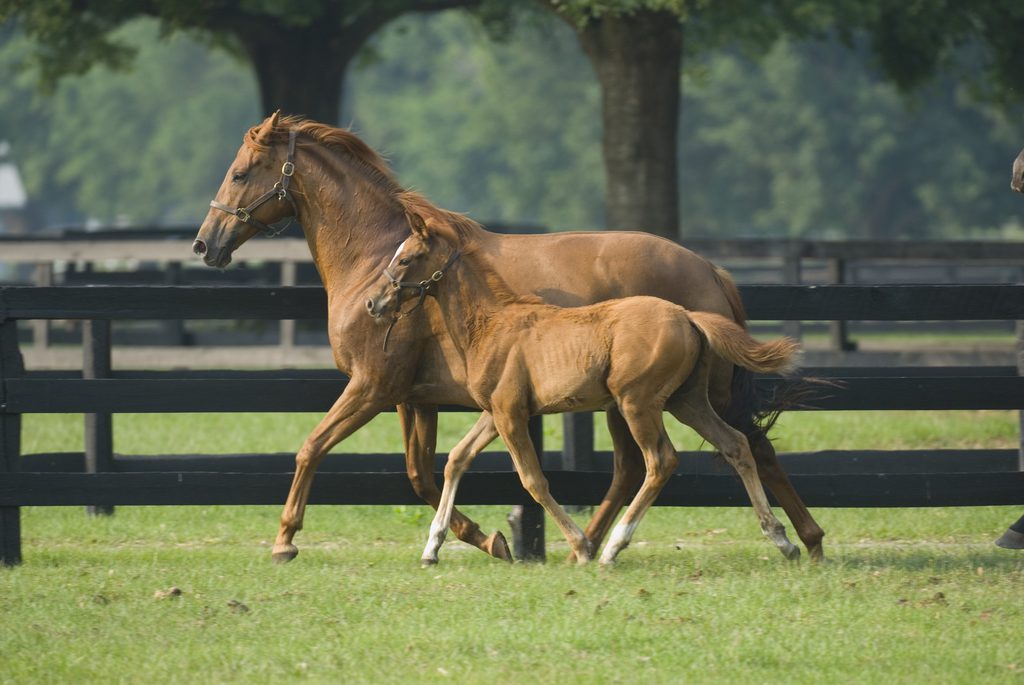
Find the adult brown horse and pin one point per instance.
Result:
(642, 355)
(354, 215)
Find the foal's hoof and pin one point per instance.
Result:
(497, 547)
(282, 554)
(427, 562)
(816, 553)
(791, 552)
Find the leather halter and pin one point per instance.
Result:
(423, 286)
(279, 191)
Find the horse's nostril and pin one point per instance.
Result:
(369, 305)
(199, 247)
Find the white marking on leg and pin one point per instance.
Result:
(618, 541)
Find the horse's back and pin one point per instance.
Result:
(573, 269)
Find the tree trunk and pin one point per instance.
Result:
(637, 59)
(301, 70)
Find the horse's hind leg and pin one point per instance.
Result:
(769, 470)
(419, 428)
(775, 479)
(627, 474)
(695, 412)
(660, 459)
(459, 459)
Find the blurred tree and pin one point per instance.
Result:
(807, 142)
(146, 147)
(506, 130)
(299, 49)
(635, 47)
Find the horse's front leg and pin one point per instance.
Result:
(459, 459)
(358, 404)
(419, 428)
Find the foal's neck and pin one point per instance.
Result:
(470, 293)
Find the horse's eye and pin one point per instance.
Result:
(239, 176)
(404, 261)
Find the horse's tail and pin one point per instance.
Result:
(731, 341)
(732, 294)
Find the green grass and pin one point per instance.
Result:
(909, 596)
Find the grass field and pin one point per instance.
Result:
(908, 596)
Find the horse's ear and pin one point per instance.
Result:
(268, 126)
(417, 224)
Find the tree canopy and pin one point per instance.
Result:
(804, 140)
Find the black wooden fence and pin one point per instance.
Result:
(98, 478)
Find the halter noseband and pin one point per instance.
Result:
(279, 191)
(423, 286)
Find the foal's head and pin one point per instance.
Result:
(420, 262)
(248, 201)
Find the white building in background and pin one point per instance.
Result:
(12, 195)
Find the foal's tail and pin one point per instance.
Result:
(732, 342)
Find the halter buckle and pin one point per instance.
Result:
(287, 169)
(437, 276)
(243, 215)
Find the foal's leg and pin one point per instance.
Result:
(357, 405)
(697, 413)
(419, 429)
(459, 459)
(511, 426)
(775, 479)
(661, 461)
(627, 474)
(769, 470)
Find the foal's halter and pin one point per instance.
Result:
(279, 191)
(423, 287)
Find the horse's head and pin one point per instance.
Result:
(253, 196)
(1017, 179)
(418, 264)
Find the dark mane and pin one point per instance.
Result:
(376, 168)
(333, 138)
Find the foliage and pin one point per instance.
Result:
(145, 147)
(803, 141)
(807, 142)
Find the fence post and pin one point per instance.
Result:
(99, 430)
(287, 326)
(791, 275)
(175, 328)
(10, 438)
(42, 277)
(1013, 538)
(578, 441)
(838, 330)
(527, 520)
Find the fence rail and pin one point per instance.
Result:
(578, 475)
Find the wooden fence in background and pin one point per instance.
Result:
(97, 477)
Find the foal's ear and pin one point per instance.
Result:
(417, 224)
(267, 128)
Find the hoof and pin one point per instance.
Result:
(1011, 539)
(792, 552)
(282, 554)
(816, 553)
(427, 562)
(497, 547)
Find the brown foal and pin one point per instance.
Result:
(640, 354)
